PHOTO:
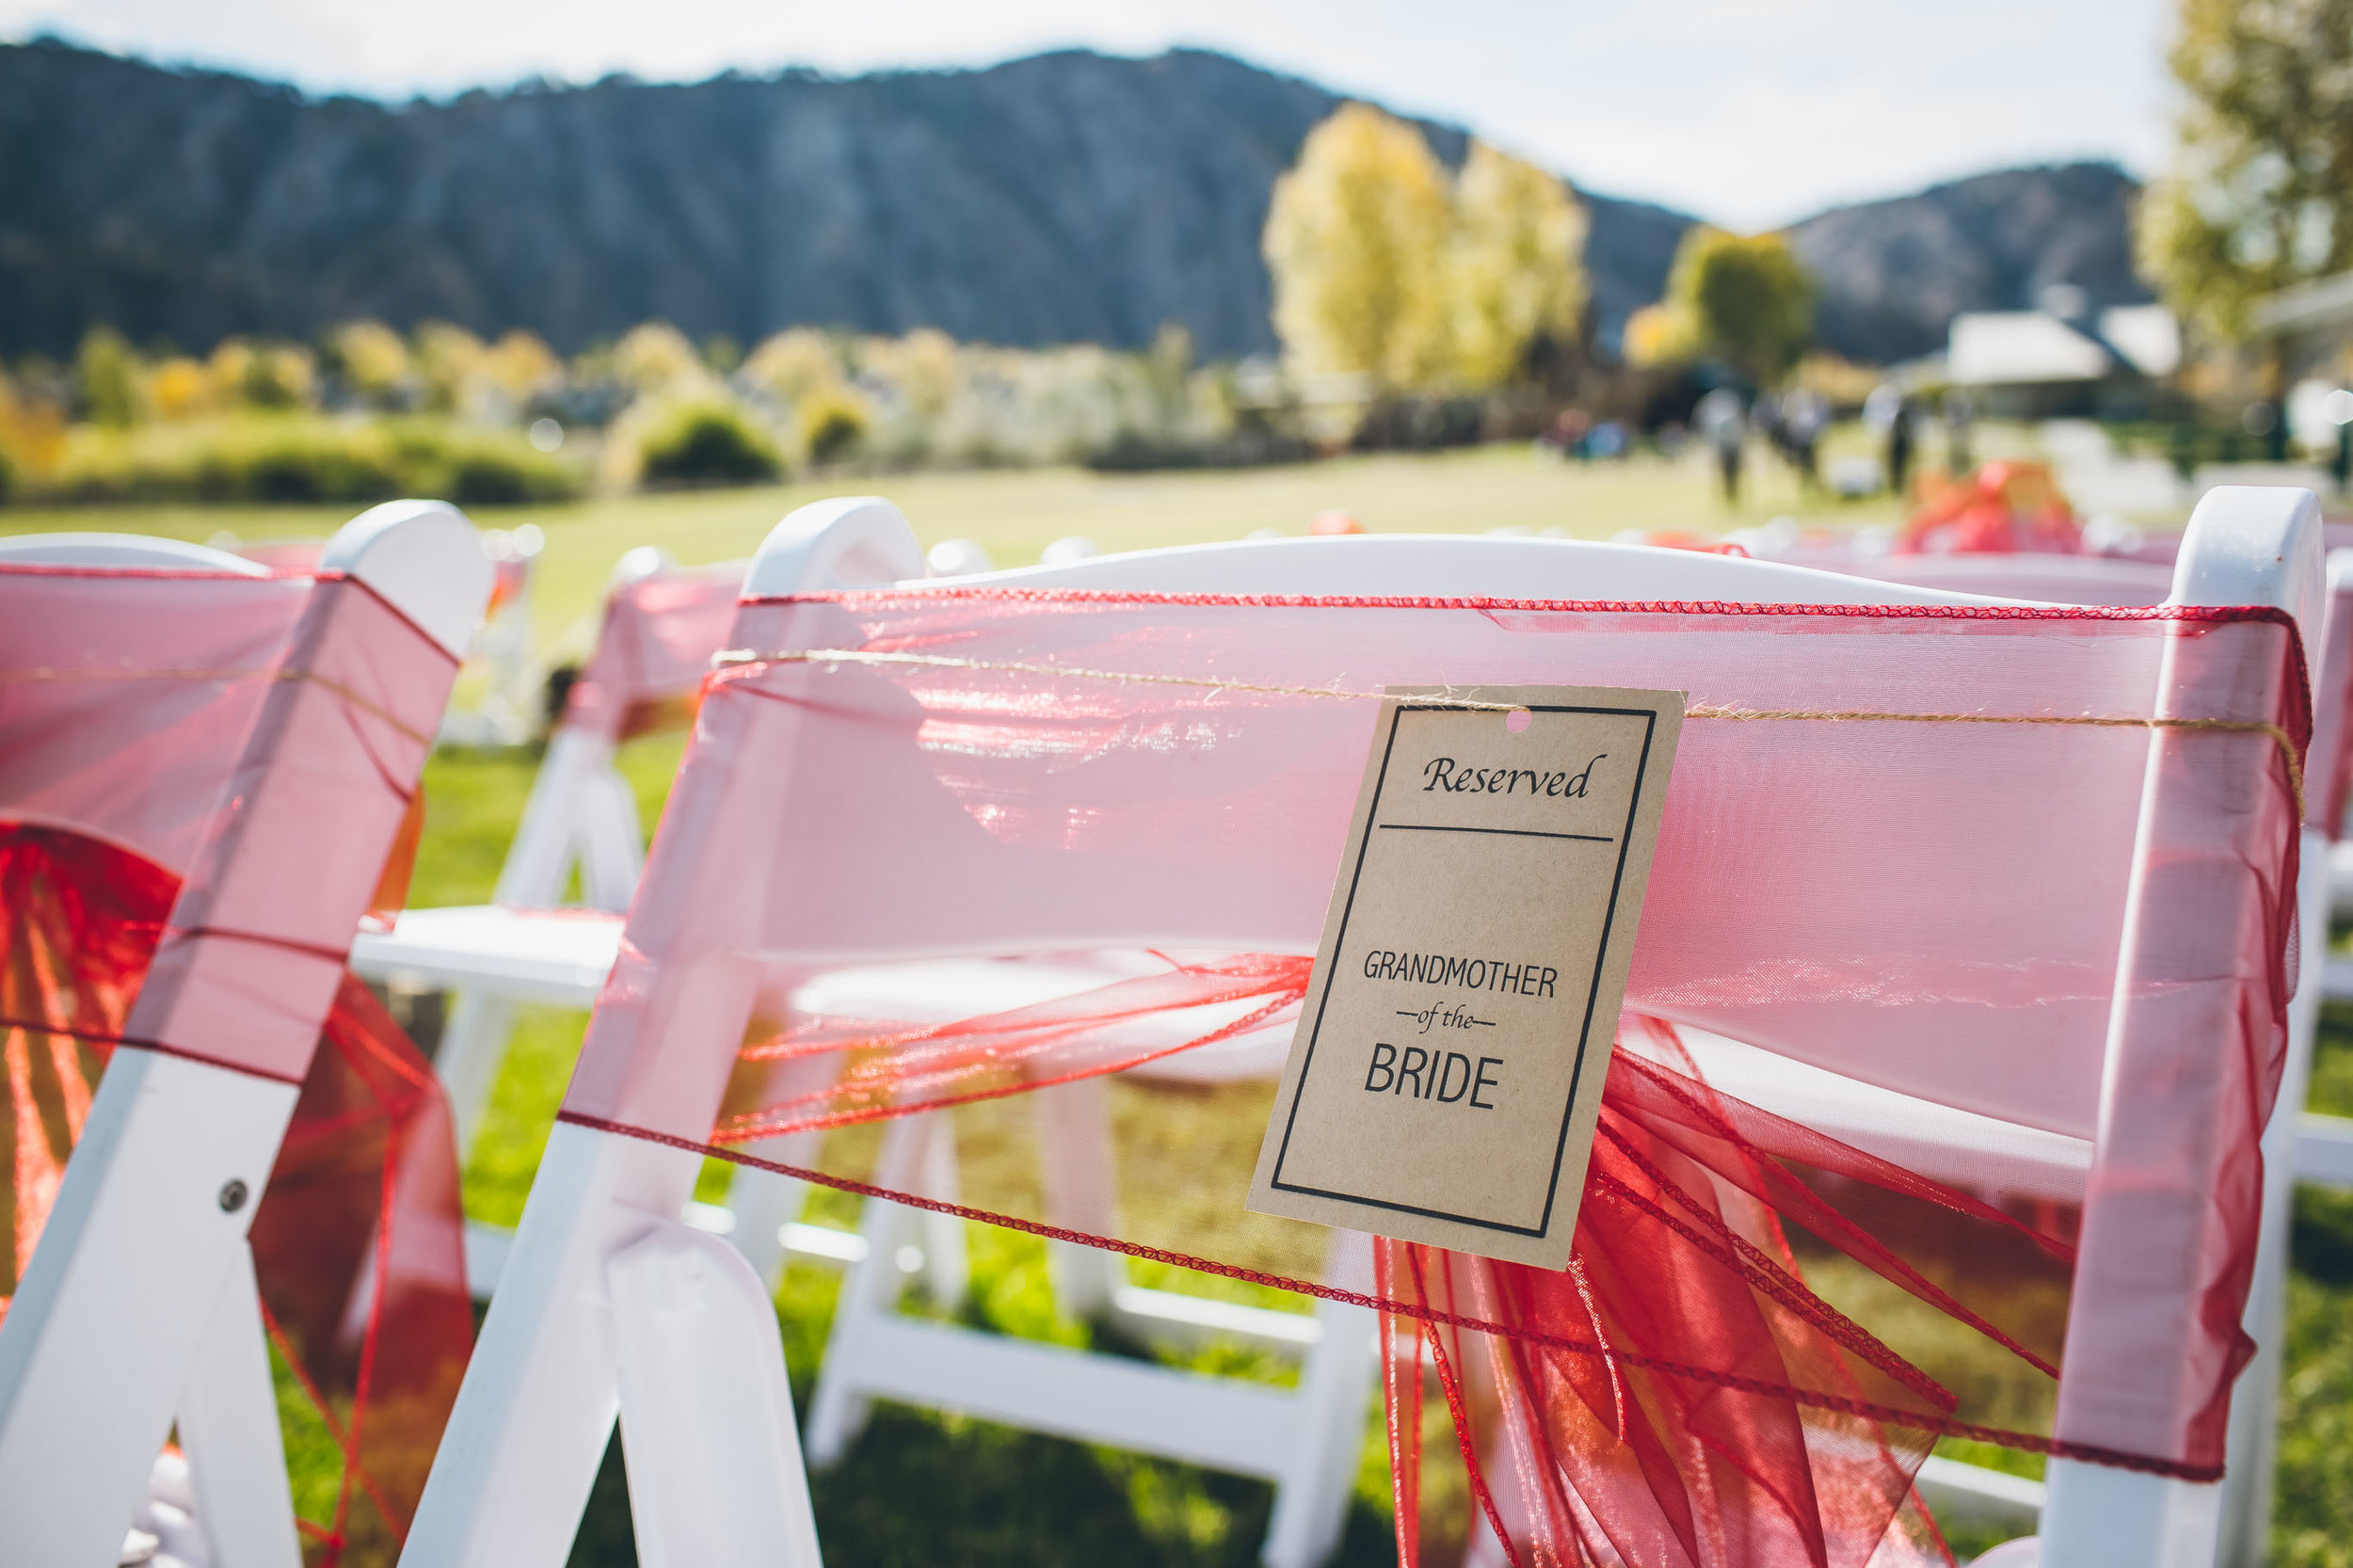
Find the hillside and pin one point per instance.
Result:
(1893, 273)
(1063, 197)
(1067, 197)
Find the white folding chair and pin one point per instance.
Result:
(660, 626)
(610, 1303)
(873, 1352)
(2290, 1138)
(2247, 1493)
(138, 1308)
(505, 700)
(505, 703)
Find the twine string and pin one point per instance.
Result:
(366, 705)
(740, 658)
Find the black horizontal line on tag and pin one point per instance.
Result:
(1510, 832)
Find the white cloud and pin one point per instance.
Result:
(1751, 114)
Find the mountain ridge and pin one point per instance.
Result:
(1062, 197)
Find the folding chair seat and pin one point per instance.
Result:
(1062, 760)
(204, 771)
(660, 626)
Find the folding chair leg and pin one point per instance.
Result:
(2254, 1433)
(1336, 1385)
(763, 1203)
(1075, 1153)
(467, 1060)
(99, 1344)
(2098, 1516)
(715, 1479)
(533, 1414)
(945, 1272)
(533, 876)
(229, 1426)
(917, 1156)
(611, 845)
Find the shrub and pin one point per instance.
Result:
(834, 421)
(707, 442)
(482, 468)
(302, 458)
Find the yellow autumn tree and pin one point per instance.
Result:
(523, 366)
(450, 362)
(1515, 271)
(794, 363)
(654, 359)
(1355, 241)
(180, 388)
(373, 360)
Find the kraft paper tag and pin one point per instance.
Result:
(1447, 1073)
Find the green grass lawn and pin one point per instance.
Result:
(1017, 513)
(925, 1489)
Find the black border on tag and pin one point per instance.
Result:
(1339, 942)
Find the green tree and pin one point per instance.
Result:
(1355, 239)
(1742, 300)
(2260, 195)
(1516, 272)
(108, 372)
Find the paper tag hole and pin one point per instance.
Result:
(1518, 720)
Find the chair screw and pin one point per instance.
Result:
(233, 1196)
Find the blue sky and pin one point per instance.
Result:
(1751, 114)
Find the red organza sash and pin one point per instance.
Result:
(1680, 1395)
(358, 1239)
(654, 649)
(1894, 873)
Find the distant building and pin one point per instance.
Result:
(2064, 360)
(2308, 331)
(2313, 326)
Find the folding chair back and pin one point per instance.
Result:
(260, 739)
(2246, 1509)
(2152, 825)
(661, 625)
(2054, 579)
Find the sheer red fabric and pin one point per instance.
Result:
(357, 1242)
(933, 850)
(2006, 508)
(200, 775)
(654, 649)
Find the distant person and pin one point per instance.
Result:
(1888, 412)
(1900, 448)
(1961, 416)
(1765, 423)
(1723, 426)
(1332, 524)
(1567, 435)
(1804, 415)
